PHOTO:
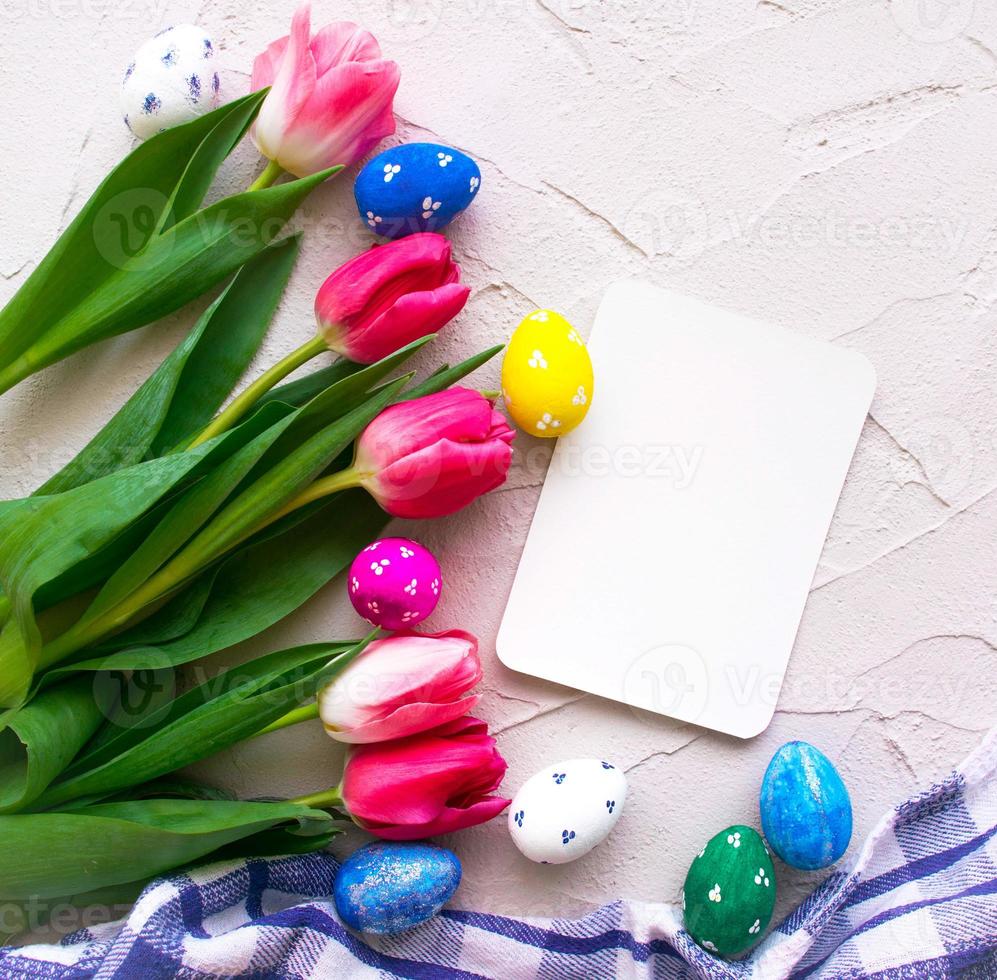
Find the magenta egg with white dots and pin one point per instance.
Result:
(395, 583)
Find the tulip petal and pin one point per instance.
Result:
(409, 719)
(335, 44)
(464, 726)
(412, 779)
(442, 478)
(408, 668)
(458, 414)
(447, 821)
(266, 65)
(349, 111)
(422, 260)
(292, 87)
(501, 429)
(411, 316)
(412, 782)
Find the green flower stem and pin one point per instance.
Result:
(345, 480)
(247, 399)
(273, 172)
(307, 712)
(44, 352)
(330, 798)
(172, 576)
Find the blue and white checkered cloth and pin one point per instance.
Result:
(920, 901)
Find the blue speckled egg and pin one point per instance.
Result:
(805, 808)
(386, 888)
(415, 187)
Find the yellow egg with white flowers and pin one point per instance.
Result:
(547, 376)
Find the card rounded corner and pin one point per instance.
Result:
(754, 732)
(869, 378)
(499, 648)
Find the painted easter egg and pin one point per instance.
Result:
(171, 80)
(386, 888)
(729, 892)
(565, 810)
(805, 808)
(415, 187)
(547, 376)
(395, 583)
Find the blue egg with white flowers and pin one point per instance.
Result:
(805, 807)
(386, 887)
(415, 187)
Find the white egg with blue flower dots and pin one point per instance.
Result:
(565, 810)
(172, 79)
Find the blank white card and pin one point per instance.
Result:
(680, 526)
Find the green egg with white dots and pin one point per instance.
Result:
(729, 892)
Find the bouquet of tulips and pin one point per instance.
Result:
(183, 527)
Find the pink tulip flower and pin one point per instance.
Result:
(427, 784)
(434, 455)
(390, 296)
(401, 686)
(371, 306)
(330, 97)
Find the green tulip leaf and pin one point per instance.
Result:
(121, 217)
(47, 855)
(43, 537)
(226, 709)
(448, 376)
(236, 521)
(207, 158)
(199, 503)
(254, 507)
(297, 393)
(185, 391)
(39, 740)
(99, 905)
(262, 583)
(237, 324)
(183, 520)
(173, 268)
(140, 249)
(49, 544)
(344, 396)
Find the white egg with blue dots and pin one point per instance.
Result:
(565, 810)
(172, 79)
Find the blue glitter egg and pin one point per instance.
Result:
(415, 187)
(386, 888)
(805, 808)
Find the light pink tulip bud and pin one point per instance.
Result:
(401, 686)
(330, 97)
